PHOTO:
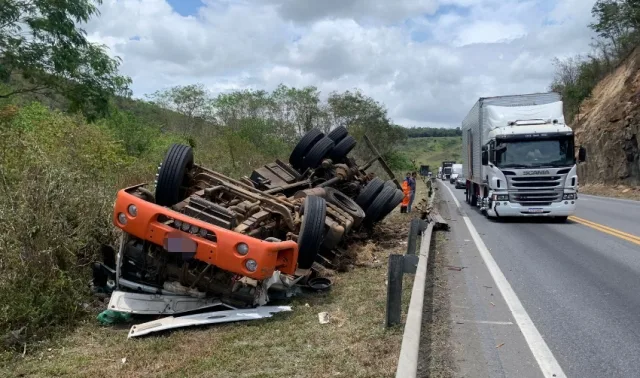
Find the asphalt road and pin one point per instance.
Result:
(579, 282)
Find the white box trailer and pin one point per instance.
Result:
(518, 156)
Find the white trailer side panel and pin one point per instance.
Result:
(471, 132)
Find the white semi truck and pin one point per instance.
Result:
(519, 157)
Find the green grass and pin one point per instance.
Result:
(432, 151)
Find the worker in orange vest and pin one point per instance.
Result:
(406, 189)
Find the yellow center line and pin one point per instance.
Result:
(607, 230)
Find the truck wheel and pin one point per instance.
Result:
(561, 219)
(336, 197)
(311, 234)
(304, 145)
(173, 181)
(343, 148)
(338, 134)
(473, 198)
(393, 203)
(369, 193)
(375, 210)
(317, 153)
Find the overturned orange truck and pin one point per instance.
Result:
(203, 239)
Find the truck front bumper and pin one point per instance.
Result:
(512, 209)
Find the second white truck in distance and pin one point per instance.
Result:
(519, 157)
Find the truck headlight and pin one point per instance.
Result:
(500, 197)
(122, 218)
(242, 249)
(251, 265)
(569, 196)
(133, 210)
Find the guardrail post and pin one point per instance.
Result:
(394, 290)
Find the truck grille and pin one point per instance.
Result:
(535, 190)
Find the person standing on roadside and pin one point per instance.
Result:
(406, 190)
(412, 189)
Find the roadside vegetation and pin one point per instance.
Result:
(71, 136)
(429, 151)
(617, 26)
(432, 132)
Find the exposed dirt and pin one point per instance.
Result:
(608, 126)
(436, 357)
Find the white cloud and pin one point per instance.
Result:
(489, 32)
(427, 61)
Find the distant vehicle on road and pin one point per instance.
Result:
(456, 170)
(460, 182)
(447, 169)
(519, 157)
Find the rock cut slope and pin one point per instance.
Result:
(608, 126)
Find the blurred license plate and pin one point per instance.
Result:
(175, 242)
(535, 210)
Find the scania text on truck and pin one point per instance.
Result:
(519, 157)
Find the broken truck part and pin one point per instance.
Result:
(211, 237)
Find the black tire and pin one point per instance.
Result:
(338, 134)
(562, 219)
(473, 199)
(369, 193)
(304, 145)
(336, 197)
(393, 203)
(311, 231)
(317, 153)
(378, 205)
(343, 148)
(390, 184)
(172, 177)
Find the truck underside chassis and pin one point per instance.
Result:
(203, 234)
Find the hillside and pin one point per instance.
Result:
(432, 151)
(608, 126)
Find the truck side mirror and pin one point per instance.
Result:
(485, 157)
(582, 154)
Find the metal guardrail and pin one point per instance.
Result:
(412, 264)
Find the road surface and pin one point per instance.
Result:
(578, 283)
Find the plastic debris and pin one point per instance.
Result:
(323, 317)
(110, 317)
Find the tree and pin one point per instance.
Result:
(41, 43)
(192, 101)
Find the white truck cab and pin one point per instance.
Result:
(520, 157)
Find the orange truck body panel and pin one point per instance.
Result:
(270, 256)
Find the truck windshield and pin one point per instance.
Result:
(556, 152)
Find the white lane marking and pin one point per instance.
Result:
(540, 350)
(482, 322)
(607, 199)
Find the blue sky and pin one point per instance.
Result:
(186, 7)
(426, 60)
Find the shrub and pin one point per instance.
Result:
(56, 197)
